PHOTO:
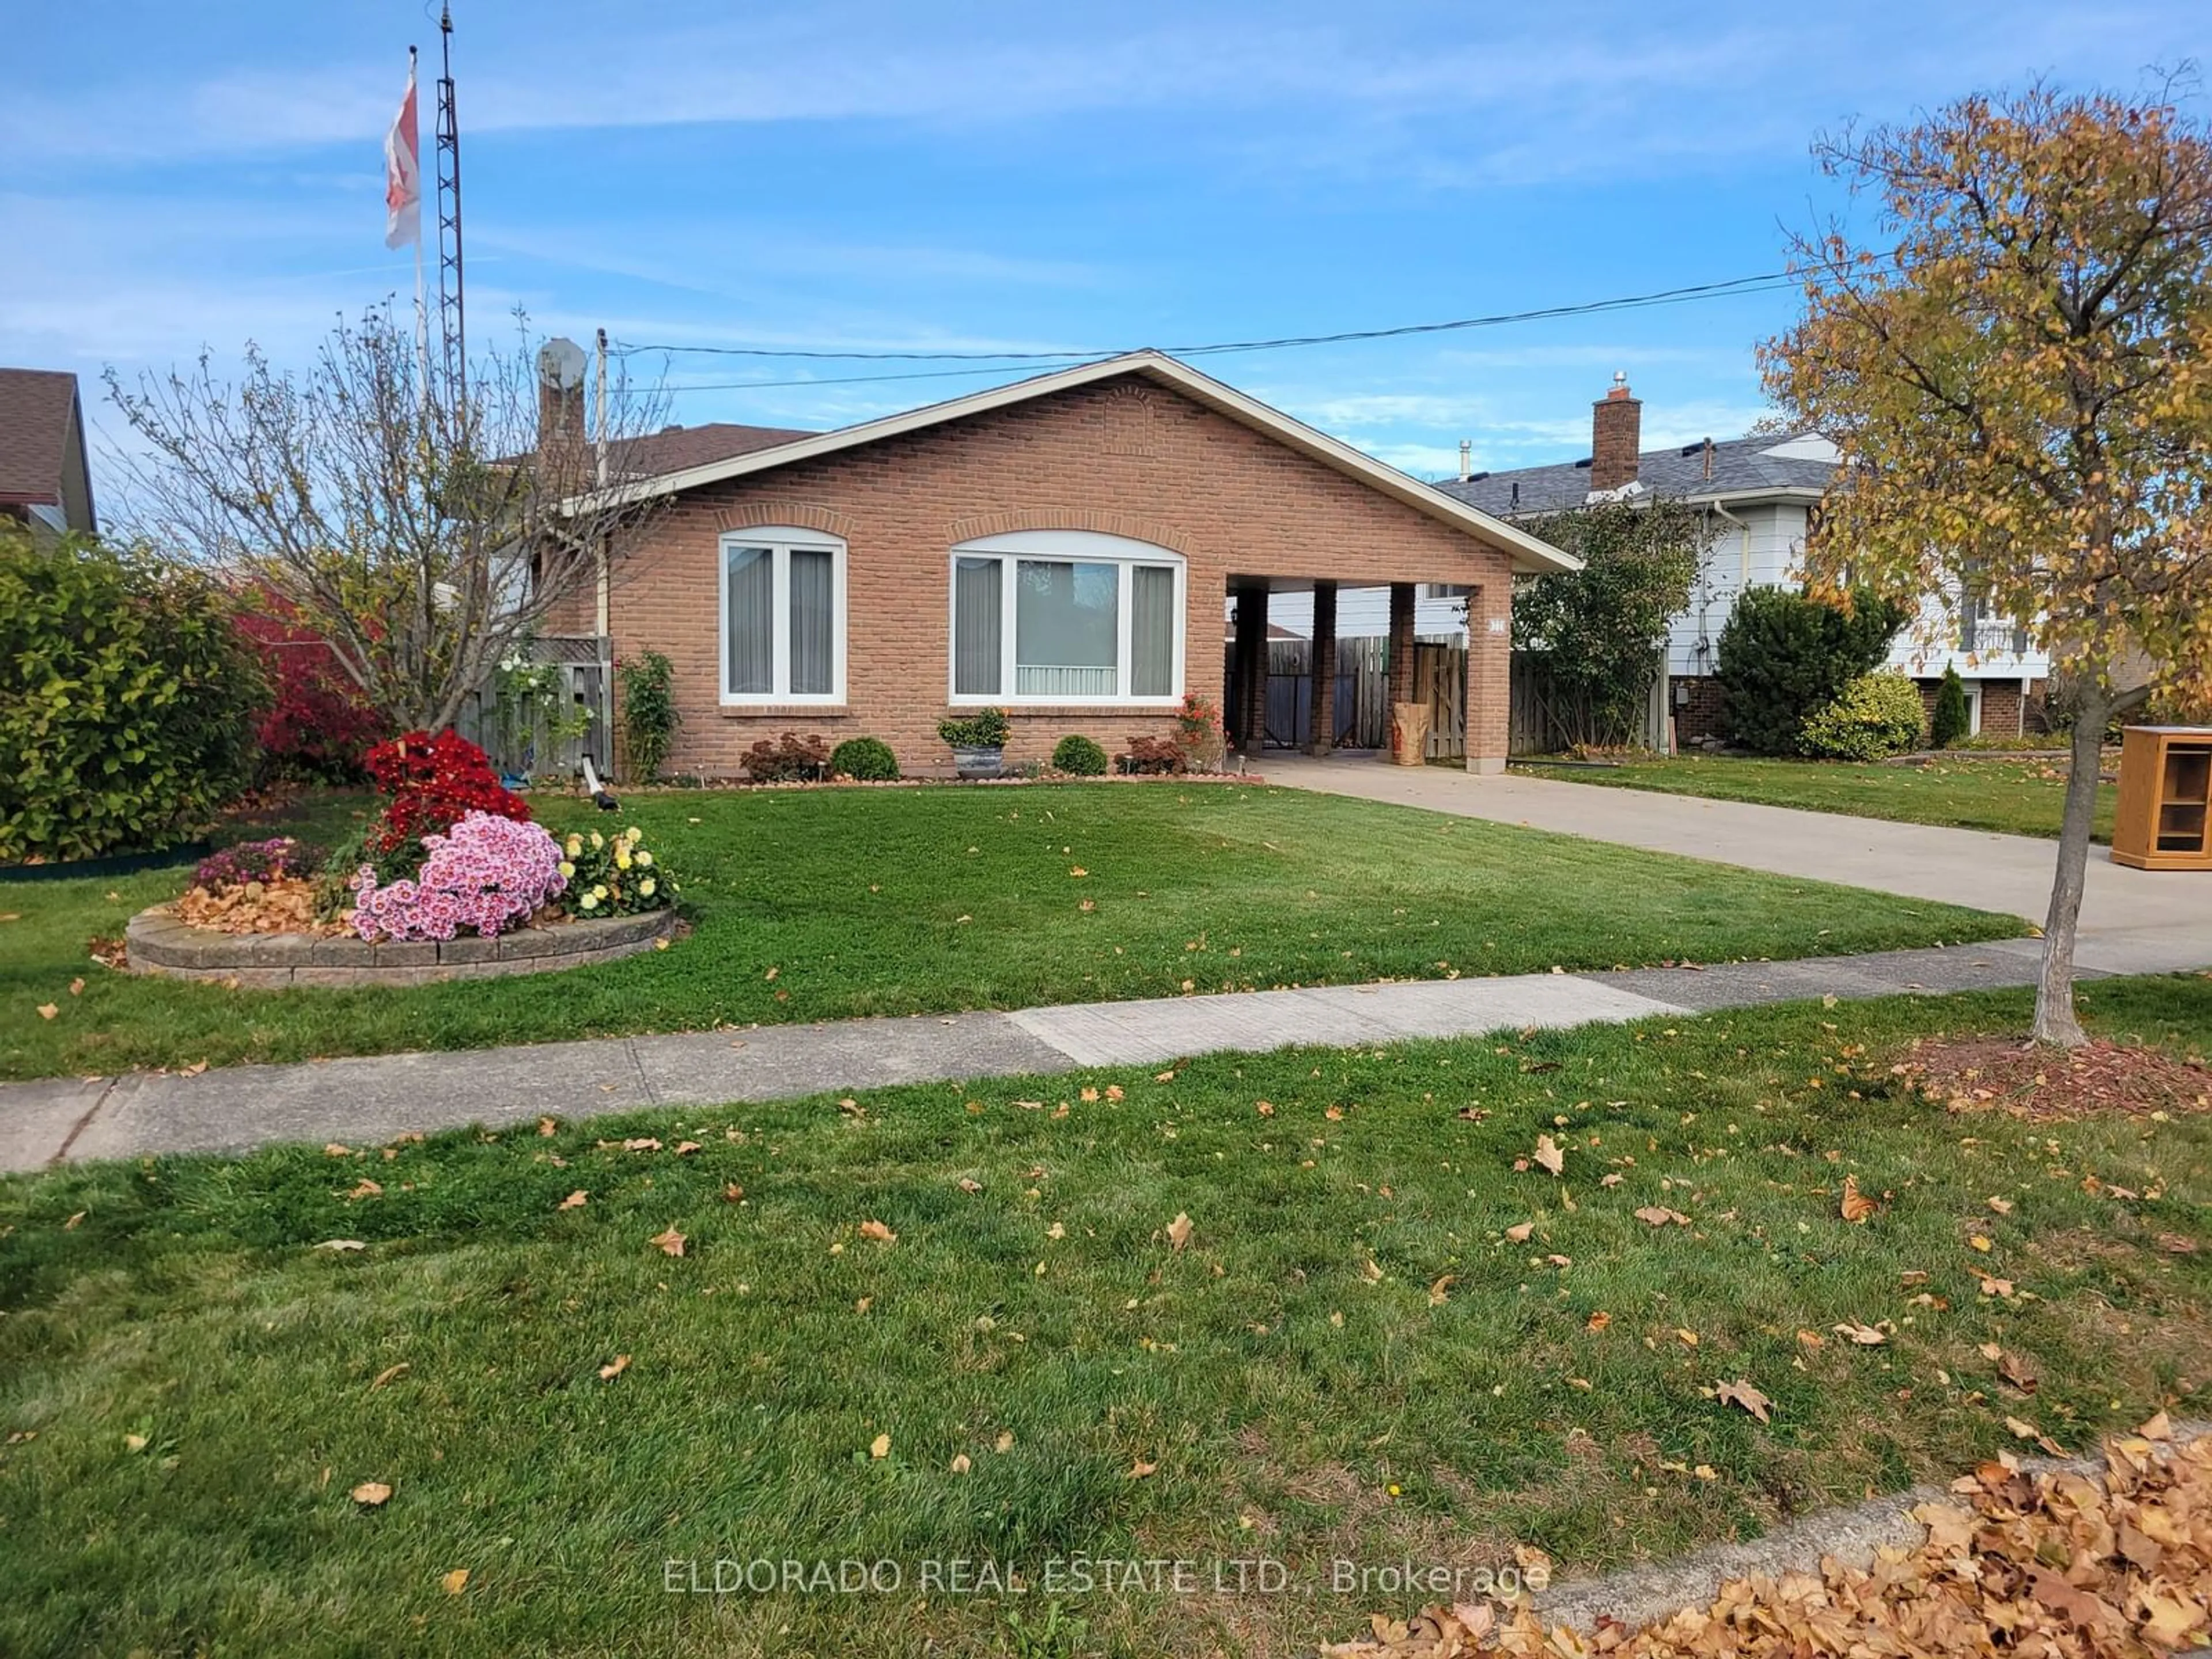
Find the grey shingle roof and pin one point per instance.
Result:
(1741, 467)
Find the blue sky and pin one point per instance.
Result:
(867, 174)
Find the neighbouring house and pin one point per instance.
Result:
(1759, 495)
(45, 480)
(1062, 547)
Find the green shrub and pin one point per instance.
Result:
(869, 760)
(1078, 756)
(1951, 718)
(1877, 715)
(984, 729)
(650, 716)
(1784, 656)
(128, 699)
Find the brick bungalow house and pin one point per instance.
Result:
(1061, 548)
(1757, 496)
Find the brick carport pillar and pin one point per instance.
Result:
(1401, 653)
(1485, 701)
(1322, 737)
(1251, 671)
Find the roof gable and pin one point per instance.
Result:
(1527, 552)
(41, 431)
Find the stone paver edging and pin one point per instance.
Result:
(160, 943)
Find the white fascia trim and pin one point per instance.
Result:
(1526, 551)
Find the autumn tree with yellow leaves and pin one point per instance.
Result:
(2015, 365)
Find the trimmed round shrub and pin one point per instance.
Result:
(868, 759)
(1078, 756)
(1877, 715)
(128, 699)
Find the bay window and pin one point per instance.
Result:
(1066, 617)
(782, 616)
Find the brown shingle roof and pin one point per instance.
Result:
(36, 429)
(676, 447)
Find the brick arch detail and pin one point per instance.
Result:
(806, 515)
(1104, 522)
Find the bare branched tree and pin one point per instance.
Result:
(425, 529)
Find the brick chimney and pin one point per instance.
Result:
(1616, 433)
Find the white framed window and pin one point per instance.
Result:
(1066, 617)
(782, 616)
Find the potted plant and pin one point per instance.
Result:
(978, 742)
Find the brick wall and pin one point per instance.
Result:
(1126, 457)
(2001, 706)
(1698, 720)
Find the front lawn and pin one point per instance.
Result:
(1962, 791)
(822, 904)
(937, 1325)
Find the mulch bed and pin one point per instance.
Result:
(2040, 1083)
(2061, 1565)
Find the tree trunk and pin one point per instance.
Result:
(2054, 992)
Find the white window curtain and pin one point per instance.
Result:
(783, 617)
(813, 622)
(751, 583)
(1152, 631)
(978, 604)
(1066, 630)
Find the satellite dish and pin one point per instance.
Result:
(561, 364)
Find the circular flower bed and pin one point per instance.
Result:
(159, 942)
(452, 880)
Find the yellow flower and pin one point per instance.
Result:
(645, 888)
(622, 857)
(645, 860)
(575, 845)
(589, 902)
(634, 834)
(568, 871)
(597, 840)
(600, 891)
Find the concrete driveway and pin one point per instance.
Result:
(2132, 921)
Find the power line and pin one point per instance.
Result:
(1766, 282)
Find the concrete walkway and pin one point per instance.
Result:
(2132, 921)
(377, 1097)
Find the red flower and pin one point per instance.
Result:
(433, 782)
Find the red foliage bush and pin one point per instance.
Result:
(431, 782)
(794, 760)
(318, 726)
(1153, 754)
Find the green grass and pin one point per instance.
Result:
(819, 905)
(2011, 796)
(1303, 1392)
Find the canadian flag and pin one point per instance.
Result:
(402, 172)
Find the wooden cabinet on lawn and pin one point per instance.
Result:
(2165, 819)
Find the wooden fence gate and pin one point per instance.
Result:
(1363, 693)
(524, 748)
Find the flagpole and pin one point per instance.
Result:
(421, 294)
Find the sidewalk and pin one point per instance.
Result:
(377, 1097)
(2132, 921)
